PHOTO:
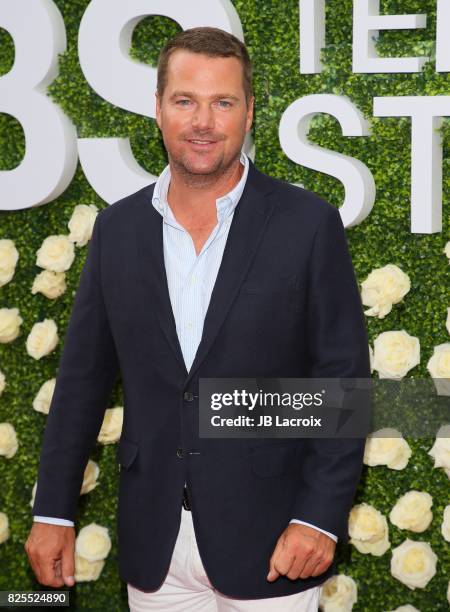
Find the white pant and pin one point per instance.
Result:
(188, 589)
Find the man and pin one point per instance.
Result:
(217, 270)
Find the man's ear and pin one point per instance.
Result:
(158, 109)
(250, 107)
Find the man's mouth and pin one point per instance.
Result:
(201, 142)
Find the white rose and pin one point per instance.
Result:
(91, 473)
(43, 399)
(395, 353)
(42, 338)
(439, 368)
(8, 440)
(4, 527)
(406, 608)
(382, 288)
(56, 253)
(2, 382)
(412, 511)
(387, 447)
(445, 527)
(93, 542)
(447, 322)
(33, 494)
(86, 571)
(371, 358)
(81, 223)
(413, 563)
(10, 322)
(440, 451)
(368, 530)
(9, 256)
(50, 284)
(338, 594)
(447, 250)
(112, 425)
(448, 592)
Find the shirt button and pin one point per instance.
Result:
(188, 396)
(180, 453)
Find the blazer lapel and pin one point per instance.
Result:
(149, 235)
(250, 219)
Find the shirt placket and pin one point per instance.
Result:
(192, 302)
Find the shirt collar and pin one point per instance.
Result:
(225, 205)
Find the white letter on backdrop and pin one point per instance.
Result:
(104, 42)
(426, 154)
(355, 176)
(366, 24)
(312, 35)
(442, 36)
(50, 160)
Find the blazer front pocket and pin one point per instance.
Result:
(257, 287)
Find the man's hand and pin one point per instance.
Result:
(51, 552)
(301, 551)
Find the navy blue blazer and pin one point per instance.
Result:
(285, 304)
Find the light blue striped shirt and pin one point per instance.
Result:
(191, 277)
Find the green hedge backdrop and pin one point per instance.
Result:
(271, 29)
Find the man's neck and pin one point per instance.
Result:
(192, 198)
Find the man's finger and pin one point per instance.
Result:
(322, 567)
(310, 565)
(273, 573)
(48, 574)
(317, 563)
(36, 570)
(281, 560)
(296, 568)
(58, 568)
(68, 565)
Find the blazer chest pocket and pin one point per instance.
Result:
(270, 461)
(126, 453)
(256, 287)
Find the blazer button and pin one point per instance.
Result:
(188, 396)
(180, 453)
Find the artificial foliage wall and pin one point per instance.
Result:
(271, 29)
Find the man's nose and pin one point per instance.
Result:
(203, 117)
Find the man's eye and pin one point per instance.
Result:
(183, 102)
(224, 103)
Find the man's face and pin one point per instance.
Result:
(203, 114)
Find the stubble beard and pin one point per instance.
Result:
(202, 178)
